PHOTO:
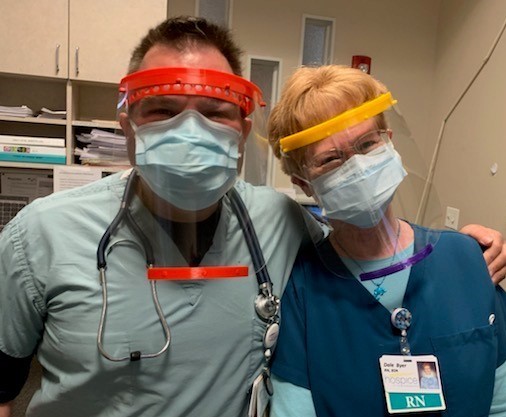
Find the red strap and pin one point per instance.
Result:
(191, 273)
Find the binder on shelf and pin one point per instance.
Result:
(32, 140)
(28, 153)
(31, 149)
(34, 158)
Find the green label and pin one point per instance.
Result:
(415, 401)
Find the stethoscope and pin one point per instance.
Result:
(266, 303)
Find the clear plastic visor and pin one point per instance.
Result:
(332, 153)
(159, 94)
(186, 129)
(369, 178)
(217, 89)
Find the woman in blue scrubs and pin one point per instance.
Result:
(366, 308)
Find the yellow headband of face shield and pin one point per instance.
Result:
(342, 121)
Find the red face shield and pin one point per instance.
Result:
(193, 82)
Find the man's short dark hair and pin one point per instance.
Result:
(183, 32)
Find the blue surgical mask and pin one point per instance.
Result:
(188, 160)
(359, 191)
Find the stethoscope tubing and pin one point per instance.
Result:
(250, 237)
(124, 214)
(137, 354)
(266, 304)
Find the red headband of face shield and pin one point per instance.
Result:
(191, 81)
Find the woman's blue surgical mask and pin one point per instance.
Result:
(188, 160)
(360, 190)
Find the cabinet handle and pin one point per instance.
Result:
(57, 56)
(77, 61)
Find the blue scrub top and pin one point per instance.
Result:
(333, 331)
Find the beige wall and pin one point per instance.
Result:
(399, 35)
(474, 135)
(426, 52)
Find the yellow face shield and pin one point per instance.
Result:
(365, 172)
(354, 134)
(337, 124)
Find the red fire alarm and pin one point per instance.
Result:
(362, 62)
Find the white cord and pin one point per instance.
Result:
(423, 203)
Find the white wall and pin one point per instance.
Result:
(399, 35)
(474, 137)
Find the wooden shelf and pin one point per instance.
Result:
(96, 123)
(31, 165)
(37, 120)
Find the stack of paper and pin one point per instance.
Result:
(102, 148)
(52, 114)
(21, 111)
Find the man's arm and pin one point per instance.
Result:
(494, 249)
(13, 375)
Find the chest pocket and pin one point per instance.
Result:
(467, 363)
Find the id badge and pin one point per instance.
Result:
(412, 383)
(259, 398)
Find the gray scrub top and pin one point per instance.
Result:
(50, 301)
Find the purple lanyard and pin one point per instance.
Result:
(398, 266)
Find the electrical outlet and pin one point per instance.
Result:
(452, 218)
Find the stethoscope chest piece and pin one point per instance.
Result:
(267, 306)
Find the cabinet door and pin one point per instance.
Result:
(103, 34)
(34, 37)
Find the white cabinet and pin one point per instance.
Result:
(103, 34)
(68, 55)
(89, 40)
(34, 37)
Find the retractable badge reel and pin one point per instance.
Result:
(401, 319)
(267, 308)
